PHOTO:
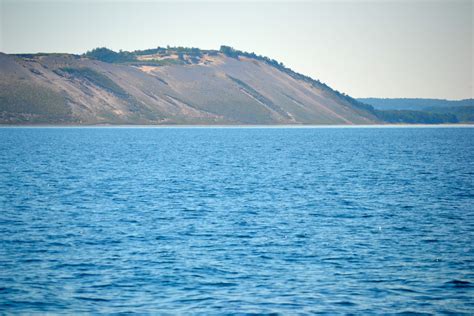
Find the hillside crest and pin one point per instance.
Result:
(172, 85)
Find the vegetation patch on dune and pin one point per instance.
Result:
(463, 113)
(97, 79)
(423, 110)
(109, 56)
(33, 101)
(415, 117)
(159, 62)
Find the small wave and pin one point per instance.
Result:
(404, 289)
(430, 240)
(459, 283)
(194, 300)
(94, 299)
(220, 284)
(301, 236)
(345, 303)
(409, 312)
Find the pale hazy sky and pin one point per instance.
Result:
(364, 48)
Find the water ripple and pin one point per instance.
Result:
(237, 221)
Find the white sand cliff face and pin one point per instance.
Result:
(213, 89)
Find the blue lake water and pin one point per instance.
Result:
(237, 220)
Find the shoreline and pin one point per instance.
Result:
(177, 126)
